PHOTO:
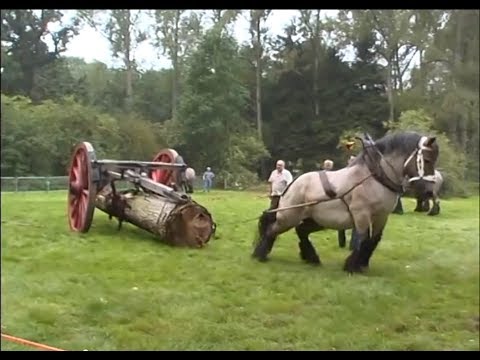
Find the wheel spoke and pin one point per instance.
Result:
(76, 172)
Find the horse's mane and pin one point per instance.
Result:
(400, 142)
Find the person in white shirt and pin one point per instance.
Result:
(279, 180)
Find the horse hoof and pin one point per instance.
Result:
(260, 258)
(315, 262)
(352, 268)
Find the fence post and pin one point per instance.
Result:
(16, 184)
(47, 182)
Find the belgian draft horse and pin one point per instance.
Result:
(360, 196)
(423, 204)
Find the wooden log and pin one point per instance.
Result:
(188, 224)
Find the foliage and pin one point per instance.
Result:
(305, 97)
(212, 107)
(38, 139)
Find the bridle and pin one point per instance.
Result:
(420, 162)
(368, 142)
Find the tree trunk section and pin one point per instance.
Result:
(390, 91)
(177, 224)
(259, 80)
(423, 85)
(316, 44)
(175, 66)
(128, 65)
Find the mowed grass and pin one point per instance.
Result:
(123, 290)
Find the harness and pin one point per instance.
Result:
(420, 162)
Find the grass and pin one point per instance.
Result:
(110, 290)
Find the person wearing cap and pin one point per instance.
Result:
(279, 179)
(328, 165)
(208, 176)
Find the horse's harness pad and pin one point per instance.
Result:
(327, 186)
(376, 170)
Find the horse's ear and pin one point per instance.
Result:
(430, 140)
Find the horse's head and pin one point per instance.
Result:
(419, 167)
(409, 154)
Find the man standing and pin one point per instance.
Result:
(279, 180)
(208, 179)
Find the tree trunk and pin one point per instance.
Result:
(175, 66)
(390, 91)
(316, 44)
(129, 66)
(177, 224)
(259, 80)
(422, 80)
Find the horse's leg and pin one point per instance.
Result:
(307, 250)
(426, 205)
(419, 207)
(435, 210)
(270, 225)
(361, 228)
(369, 245)
(354, 239)
(399, 207)
(342, 241)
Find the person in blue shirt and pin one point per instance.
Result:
(208, 179)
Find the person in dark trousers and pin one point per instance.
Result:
(279, 179)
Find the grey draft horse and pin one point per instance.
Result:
(360, 196)
(188, 180)
(423, 204)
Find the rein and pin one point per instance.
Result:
(314, 202)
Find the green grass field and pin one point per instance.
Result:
(119, 290)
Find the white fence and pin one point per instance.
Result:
(48, 183)
(34, 183)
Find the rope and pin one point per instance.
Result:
(29, 343)
(314, 202)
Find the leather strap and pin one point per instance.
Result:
(326, 184)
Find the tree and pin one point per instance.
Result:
(256, 32)
(123, 31)
(24, 35)
(212, 106)
(177, 33)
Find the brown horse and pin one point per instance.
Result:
(360, 196)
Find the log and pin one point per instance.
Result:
(178, 224)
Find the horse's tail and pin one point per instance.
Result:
(264, 221)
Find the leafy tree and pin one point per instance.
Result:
(213, 129)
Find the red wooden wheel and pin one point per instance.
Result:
(164, 176)
(81, 189)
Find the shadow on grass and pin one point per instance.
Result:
(130, 232)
